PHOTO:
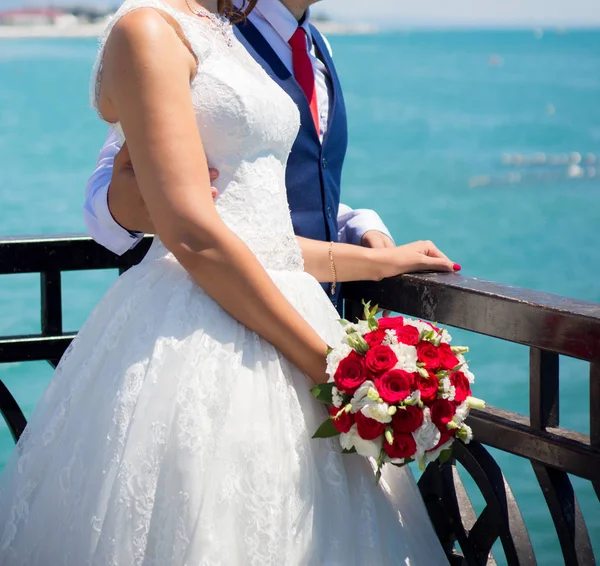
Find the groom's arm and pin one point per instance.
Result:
(362, 227)
(97, 215)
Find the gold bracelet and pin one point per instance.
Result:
(333, 271)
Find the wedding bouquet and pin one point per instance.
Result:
(398, 392)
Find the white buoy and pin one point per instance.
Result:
(574, 172)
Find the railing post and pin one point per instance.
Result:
(556, 485)
(543, 389)
(51, 290)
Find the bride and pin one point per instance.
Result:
(177, 428)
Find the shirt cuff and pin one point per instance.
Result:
(363, 221)
(105, 229)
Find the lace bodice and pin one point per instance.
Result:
(248, 126)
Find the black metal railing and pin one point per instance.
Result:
(548, 324)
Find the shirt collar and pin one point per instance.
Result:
(280, 18)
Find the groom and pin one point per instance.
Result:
(279, 36)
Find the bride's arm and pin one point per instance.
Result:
(357, 263)
(145, 85)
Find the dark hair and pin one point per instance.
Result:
(227, 9)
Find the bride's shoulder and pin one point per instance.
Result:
(145, 33)
(150, 24)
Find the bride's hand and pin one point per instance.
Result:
(417, 256)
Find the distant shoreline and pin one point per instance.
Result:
(326, 27)
(94, 30)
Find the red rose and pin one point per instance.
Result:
(351, 373)
(395, 385)
(447, 359)
(386, 322)
(368, 429)
(375, 338)
(404, 446)
(344, 420)
(380, 359)
(428, 354)
(442, 412)
(408, 335)
(407, 420)
(461, 386)
(428, 386)
(444, 437)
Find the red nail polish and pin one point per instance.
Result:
(456, 267)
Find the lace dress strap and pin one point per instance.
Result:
(195, 34)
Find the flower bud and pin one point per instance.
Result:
(459, 349)
(389, 436)
(423, 372)
(373, 395)
(475, 403)
(392, 410)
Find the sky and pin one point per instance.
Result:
(432, 13)
(468, 13)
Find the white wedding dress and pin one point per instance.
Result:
(170, 434)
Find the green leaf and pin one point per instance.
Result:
(351, 451)
(329, 350)
(372, 322)
(326, 430)
(445, 455)
(344, 322)
(324, 392)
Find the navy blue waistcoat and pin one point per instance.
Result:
(314, 169)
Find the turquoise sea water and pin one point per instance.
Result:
(428, 112)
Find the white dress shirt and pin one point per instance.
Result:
(277, 25)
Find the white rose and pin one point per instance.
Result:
(366, 448)
(427, 435)
(407, 357)
(377, 411)
(366, 400)
(360, 395)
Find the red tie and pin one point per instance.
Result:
(304, 73)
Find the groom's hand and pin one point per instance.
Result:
(125, 200)
(376, 239)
